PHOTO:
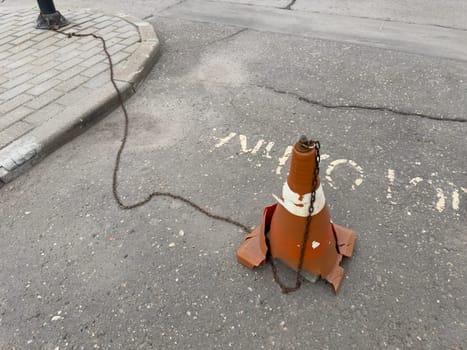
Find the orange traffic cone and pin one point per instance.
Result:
(298, 229)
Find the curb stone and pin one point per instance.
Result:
(22, 154)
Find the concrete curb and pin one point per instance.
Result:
(23, 153)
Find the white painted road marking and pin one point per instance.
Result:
(391, 177)
(441, 192)
(225, 140)
(283, 159)
(331, 167)
(441, 204)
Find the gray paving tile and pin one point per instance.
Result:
(14, 116)
(44, 99)
(44, 73)
(10, 105)
(14, 131)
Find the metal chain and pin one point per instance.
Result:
(124, 139)
(298, 276)
(246, 229)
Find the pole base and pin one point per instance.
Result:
(51, 21)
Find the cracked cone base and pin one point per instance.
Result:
(285, 225)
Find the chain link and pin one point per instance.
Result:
(245, 228)
(298, 276)
(124, 139)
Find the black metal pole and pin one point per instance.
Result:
(46, 6)
(49, 18)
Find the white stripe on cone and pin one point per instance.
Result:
(299, 205)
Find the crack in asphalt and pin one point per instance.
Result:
(173, 5)
(361, 107)
(288, 6)
(224, 38)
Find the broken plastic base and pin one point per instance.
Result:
(345, 240)
(253, 251)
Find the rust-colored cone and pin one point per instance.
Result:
(285, 224)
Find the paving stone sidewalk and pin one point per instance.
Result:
(52, 86)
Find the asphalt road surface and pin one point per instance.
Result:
(213, 122)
